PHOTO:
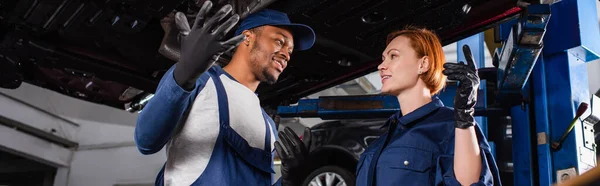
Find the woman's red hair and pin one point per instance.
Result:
(426, 43)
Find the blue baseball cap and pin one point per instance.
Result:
(304, 36)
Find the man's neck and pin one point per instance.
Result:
(241, 71)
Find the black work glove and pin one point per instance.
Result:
(204, 43)
(466, 93)
(293, 153)
(240, 7)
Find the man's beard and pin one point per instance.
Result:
(261, 72)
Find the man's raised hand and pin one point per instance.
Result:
(204, 42)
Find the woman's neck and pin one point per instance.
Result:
(413, 98)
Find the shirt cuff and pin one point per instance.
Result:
(169, 83)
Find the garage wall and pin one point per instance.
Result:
(59, 104)
(109, 167)
(107, 154)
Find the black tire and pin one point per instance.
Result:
(346, 175)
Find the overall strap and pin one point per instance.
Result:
(267, 135)
(222, 100)
(257, 157)
(160, 178)
(269, 123)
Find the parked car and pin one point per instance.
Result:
(336, 147)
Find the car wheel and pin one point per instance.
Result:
(330, 175)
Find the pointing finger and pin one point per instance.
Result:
(469, 57)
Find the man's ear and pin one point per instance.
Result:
(249, 36)
(424, 65)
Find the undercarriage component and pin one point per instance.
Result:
(139, 102)
(10, 75)
(169, 47)
(351, 34)
(69, 73)
(130, 93)
(96, 50)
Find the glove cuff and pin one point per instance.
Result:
(463, 125)
(285, 182)
(464, 118)
(289, 178)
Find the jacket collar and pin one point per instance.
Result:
(219, 70)
(419, 113)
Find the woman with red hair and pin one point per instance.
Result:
(427, 143)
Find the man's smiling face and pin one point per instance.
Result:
(270, 52)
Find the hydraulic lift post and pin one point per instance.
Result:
(550, 97)
(572, 39)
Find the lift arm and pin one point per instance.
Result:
(364, 106)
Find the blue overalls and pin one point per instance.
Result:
(233, 160)
(418, 149)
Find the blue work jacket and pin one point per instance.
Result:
(418, 150)
(233, 161)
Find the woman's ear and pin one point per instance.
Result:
(424, 65)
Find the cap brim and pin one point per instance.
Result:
(304, 36)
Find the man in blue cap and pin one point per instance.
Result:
(209, 117)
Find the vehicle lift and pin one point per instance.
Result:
(538, 81)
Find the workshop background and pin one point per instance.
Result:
(106, 154)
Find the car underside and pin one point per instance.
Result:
(114, 52)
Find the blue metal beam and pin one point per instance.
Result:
(540, 106)
(363, 106)
(343, 107)
(521, 138)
